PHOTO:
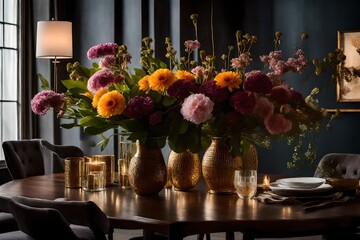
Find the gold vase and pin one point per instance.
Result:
(184, 169)
(218, 167)
(147, 171)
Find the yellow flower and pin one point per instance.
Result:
(89, 95)
(161, 80)
(184, 75)
(111, 103)
(144, 84)
(230, 80)
(97, 96)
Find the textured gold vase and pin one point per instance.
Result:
(184, 169)
(218, 167)
(147, 171)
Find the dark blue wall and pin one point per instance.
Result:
(99, 21)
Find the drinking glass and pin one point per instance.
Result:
(126, 151)
(245, 182)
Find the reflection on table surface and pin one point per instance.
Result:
(179, 214)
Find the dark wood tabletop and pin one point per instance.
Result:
(180, 214)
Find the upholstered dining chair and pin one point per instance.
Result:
(340, 165)
(32, 157)
(52, 219)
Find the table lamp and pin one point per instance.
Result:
(54, 41)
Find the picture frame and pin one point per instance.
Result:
(348, 90)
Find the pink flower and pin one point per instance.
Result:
(192, 44)
(242, 61)
(100, 79)
(277, 124)
(263, 108)
(197, 108)
(102, 50)
(46, 99)
(107, 62)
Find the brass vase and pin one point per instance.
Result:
(218, 167)
(147, 171)
(184, 170)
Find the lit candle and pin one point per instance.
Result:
(266, 182)
(94, 176)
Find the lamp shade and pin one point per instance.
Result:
(54, 39)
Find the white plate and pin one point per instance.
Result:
(300, 182)
(276, 188)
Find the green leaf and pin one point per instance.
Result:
(44, 83)
(168, 101)
(96, 130)
(68, 125)
(69, 84)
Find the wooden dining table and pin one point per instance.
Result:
(178, 214)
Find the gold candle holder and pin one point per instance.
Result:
(73, 171)
(127, 150)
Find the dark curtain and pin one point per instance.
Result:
(28, 121)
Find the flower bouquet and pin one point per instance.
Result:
(186, 101)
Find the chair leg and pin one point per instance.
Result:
(111, 233)
(230, 236)
(248, 237)
(208, 236)
(201, 236)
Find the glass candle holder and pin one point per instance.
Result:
(127, 150)
(94, 179)
(109, 161)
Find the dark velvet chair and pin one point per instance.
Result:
(32, 157)
(340, 165)
(51, 219)
(25, 158)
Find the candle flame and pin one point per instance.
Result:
(266, 181)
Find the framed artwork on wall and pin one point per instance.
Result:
(348, 82)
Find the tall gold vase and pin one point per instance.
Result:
(184, 170)
(218, 167)
(147, 171)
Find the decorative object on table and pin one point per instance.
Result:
(94, 178)
(127, 149)
(74, 168)
(184, 169)
(109, 161)
(185, 102)
(218, 167)
(266, 183)
(147, 170)
(245, 182)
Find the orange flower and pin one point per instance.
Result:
(230, 80)
(144, 84)
(184, 75)
(111, 103)
(97, 96)
(89, 95)
(161, 80)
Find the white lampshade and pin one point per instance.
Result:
(54, 39)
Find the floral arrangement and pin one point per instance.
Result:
(187, 101)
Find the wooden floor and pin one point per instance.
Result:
(121, 234)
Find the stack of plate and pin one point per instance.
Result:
(299, 185)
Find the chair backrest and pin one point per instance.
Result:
(345, 165)
(41, 223)
(85, 213)
(32, 157)
(23, 158)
